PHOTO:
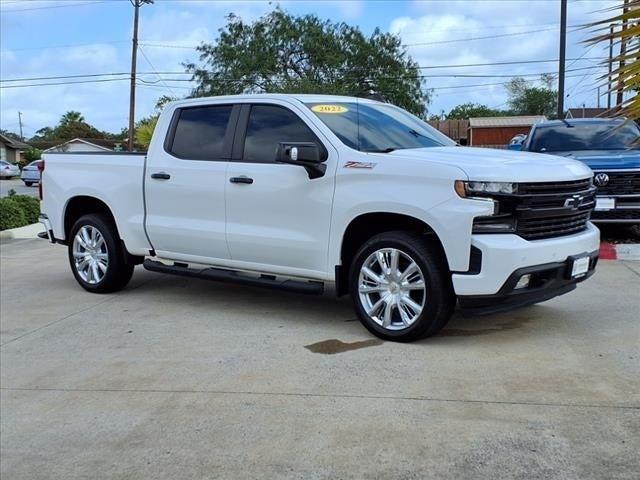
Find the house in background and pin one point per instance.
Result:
(87, 145)
(589, 113)
(11, 150)
(496, 132)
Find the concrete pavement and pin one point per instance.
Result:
(17, 185)
(181, 378)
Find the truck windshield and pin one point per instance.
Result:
(374, 127)
(586, 136)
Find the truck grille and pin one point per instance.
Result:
(620, 183)
(552, 209)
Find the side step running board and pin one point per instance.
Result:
(217, 274)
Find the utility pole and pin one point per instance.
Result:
(134, 57)
(563, 47)
(623, 52)
(20, 123)
(610, 67)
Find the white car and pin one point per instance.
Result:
(299, 191)
(31, 173)
(8, 170)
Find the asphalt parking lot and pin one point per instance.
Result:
(182, 378)
(18, 185)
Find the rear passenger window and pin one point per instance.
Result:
(200, 132)
(268, 126)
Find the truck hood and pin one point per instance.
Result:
(605, 159)
(487, 164)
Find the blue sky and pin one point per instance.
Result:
(44, 38)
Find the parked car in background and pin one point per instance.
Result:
(611, 148)
(516, 142)
(8, 170)
(31, 173)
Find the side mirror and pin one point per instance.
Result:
(303, 154)
(515, 146)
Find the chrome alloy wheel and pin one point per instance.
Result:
(392, 288)
(90, 255)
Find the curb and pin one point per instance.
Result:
(28, 231)
(619, 251)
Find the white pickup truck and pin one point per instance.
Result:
(297, 191)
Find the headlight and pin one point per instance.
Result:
(472, 188)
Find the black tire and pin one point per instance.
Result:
(118, 272)
(439, 302)
(28, 184)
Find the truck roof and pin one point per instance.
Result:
(301, 97)
(578, 121)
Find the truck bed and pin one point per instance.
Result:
(117, 179)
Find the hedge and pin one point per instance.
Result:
(18, 211)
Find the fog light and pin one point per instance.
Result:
(523, 282)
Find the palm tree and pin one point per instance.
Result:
(71, 117)
(626, 76)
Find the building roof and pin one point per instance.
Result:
(518, 121)
(101, 143)
(588, 113)
(15, 144)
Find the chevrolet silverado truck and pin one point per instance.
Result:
(611, 148)
(301, 191)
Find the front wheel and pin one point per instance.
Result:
(401, 286)
(96, 255)
(28, 184)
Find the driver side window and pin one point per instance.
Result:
(268, 126)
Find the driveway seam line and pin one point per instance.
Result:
(320, 395)
(117, 295)
(630, 269)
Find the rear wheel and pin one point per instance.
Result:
(96, 255)
(28, 184)
(401, 286)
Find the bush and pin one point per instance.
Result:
(11, 215)
(18, 211)
(29, 205)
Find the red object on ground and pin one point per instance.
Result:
(608, 251)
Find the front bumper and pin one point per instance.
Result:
(626, 210)
(503, 254)
(547, 281)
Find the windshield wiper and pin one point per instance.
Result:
(383, 150)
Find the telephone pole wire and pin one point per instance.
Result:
(134, 57)
(563, 48)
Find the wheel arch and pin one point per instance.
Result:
(81, 205)
(366, 225)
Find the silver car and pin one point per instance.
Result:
(31, 173)
(8, 170)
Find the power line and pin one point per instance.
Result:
(61, 77)
(69, 45)
(154, 69)
(55, 6)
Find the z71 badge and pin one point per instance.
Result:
(352, 164)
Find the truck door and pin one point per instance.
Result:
(185, 182)
(276, 215)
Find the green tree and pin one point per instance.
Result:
(146, 126)
(71, 125)
(468, 110)
(280, 52)
(532, 100)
